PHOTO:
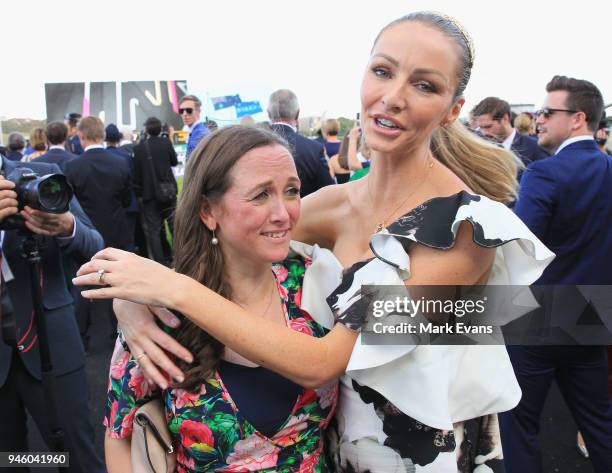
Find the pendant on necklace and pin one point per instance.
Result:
(380, 227)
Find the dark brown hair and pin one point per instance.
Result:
(493, 106)
(207, 178)
(57, 132)
(582, 96)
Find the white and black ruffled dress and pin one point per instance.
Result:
(406, 408)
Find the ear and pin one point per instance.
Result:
(580, 121)
(206, 216)
(454, 112)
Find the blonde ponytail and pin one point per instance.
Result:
(487, 169)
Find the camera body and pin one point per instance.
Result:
(49, 193)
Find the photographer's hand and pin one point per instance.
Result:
(43, 223)
(8, 199)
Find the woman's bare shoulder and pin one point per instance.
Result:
(322, 212)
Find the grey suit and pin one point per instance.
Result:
(20, 372)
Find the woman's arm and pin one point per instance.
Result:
(353, 146)
(305, 360)
(117, 453)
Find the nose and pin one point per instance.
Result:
(540, 119)
(394, 98)
(279, 211)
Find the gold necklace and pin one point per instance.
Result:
(269, 301)
(382, 224)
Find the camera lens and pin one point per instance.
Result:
(54, 193)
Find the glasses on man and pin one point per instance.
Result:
(187, 110)
(548, 112)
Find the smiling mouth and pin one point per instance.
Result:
(276, 235)
(384, 123)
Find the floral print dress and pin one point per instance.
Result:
(208, 430)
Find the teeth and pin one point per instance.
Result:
(276, 234)
(386, 123)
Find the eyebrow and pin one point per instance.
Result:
(263, 185)
(421, 70)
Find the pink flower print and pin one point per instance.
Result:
(282, 292)
(187, 398)
(138, 383)
(298, 297)
(291, 433)
(280, 272)
(118, 361)
(127, 424)
(309, 462)
(252, 454)
(300, 325)
(196, 434)
(328, 395)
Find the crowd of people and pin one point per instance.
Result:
(261, 365)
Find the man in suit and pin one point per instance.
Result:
(566, 201)
(148, 173)
(57, 133)
(101, 183)
(309, 155)
(71, 234)
(16, 145)
(74, 143)
(492, 118)
(189, 110)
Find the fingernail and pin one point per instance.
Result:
(179, 379)
(164, 386)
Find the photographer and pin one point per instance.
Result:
(21, 387)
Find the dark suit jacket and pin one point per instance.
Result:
(527, 149)
(14, 156)
(164, 157)
(309, 157)
(56, 156)
(566, 200)
(64, 339)
(74, 145)
(101, 183)
(129, 159)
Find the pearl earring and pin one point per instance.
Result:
(214, 240)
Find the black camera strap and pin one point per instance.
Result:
(8, 325)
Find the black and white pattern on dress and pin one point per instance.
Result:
(412, 409)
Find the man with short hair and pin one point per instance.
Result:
(566, 201)
(309, 156)
(101, 182)
(492, 117)
(16, 145)
(57, 133)
(74, 143)
(189, 110)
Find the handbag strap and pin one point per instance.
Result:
(148, 426)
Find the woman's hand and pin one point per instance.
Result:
(130, 277)
(143, 336)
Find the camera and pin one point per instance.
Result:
(50, 193)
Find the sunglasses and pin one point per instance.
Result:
(548, 112)
(187, 110)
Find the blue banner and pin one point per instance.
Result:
(225, 102)
(247, 108)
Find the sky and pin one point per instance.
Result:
(318, 49)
